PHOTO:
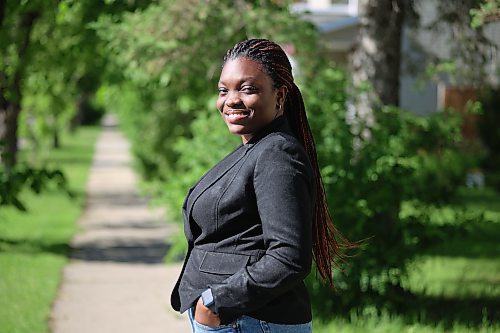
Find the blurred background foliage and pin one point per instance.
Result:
(51, 65)
(156, 64)
(171, 55)
(379, 189)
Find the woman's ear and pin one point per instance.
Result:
(281, 97)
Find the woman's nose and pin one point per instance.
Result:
(233, 99)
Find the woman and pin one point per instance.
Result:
(256, 219)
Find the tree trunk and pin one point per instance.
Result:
(11, 106)
(376, 58)
(3, 80)
(3, 6)
(9, 152)
(3, 111)
(79, 116)
(56, 144)
(375, 66)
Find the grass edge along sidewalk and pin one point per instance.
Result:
(34, 245)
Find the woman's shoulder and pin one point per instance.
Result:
(279, 141)
(282, 155)
(280, 148)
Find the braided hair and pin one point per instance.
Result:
(327, 240)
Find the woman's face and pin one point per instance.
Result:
(247, 98)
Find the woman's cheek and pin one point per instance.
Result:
(219, 104)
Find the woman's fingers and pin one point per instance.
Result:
(205, 316)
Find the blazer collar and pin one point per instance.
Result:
(279, 124)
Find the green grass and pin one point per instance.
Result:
(467, 263)
(396, 324)
(461, 277)
(456, 281)
(34, 245)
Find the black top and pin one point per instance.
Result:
(248, 223)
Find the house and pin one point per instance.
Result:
(338, 21)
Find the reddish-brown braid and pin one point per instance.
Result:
(327, 240)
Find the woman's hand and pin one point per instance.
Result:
(205, 316)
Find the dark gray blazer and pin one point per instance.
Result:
(251, 242)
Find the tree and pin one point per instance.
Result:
(17, 21)
(471, 53)
(375, 62)
(389, 160)
(51, 64)
(49, 53)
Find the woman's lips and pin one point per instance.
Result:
(237, 115)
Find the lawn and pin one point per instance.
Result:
(456, 281)
(34, 245)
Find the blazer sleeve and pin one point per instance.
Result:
(284, 190)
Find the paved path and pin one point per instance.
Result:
(116, 281)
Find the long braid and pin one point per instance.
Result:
(327, 240)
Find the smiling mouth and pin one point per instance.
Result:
(238, 114)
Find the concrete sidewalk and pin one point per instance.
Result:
(116, 281)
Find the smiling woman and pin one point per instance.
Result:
(255, 221)
(248, 99)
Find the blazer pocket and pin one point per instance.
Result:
(223, 263)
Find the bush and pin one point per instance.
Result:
(405, 158)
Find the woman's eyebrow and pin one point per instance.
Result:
(242, 80)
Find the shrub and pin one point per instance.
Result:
(405, 158)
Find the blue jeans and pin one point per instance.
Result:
(245, 324)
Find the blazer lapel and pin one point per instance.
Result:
(212, 176)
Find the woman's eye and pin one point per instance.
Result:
(248, 89)
(222, 91)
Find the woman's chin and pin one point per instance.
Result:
(237, 129)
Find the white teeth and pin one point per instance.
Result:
(233, 114)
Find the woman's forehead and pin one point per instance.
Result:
(242, 69)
